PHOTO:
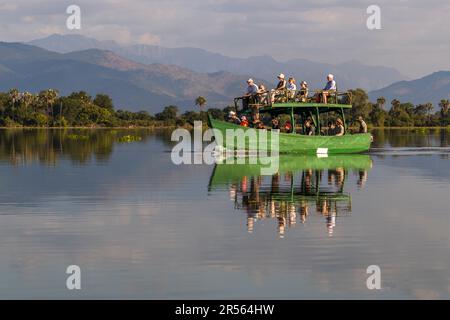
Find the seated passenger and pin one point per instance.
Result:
(275, 124)
(287, 127)
(303, 92)
(280, 89)
(244, 121)
(310, 130)
(252, 91)
(340, 130)
(232, 117)
(362, 125)
(257, 124)
(291, 87)
(330, 88)
(263, 94)
(331, 128)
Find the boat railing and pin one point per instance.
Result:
(273, 97)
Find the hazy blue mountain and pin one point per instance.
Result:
(431, 88)
(132, 85)
(349, 75)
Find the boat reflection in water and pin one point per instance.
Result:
(303, 186)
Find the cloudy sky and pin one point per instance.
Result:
(414, 36)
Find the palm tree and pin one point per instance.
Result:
(28, 99)
(200, 101)
(395, 104)
(47, 98)
(14, 95)
(444, 105)
(380, 102)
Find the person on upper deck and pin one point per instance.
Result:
(292, 88)
(330, 87)
(252, 91)
(263, 94)
(281, 86)
(303, 92)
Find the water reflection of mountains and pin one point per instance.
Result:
(303, 186)
(46, 146)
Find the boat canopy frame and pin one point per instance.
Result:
(291, 105)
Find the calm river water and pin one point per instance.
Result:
(141, 227)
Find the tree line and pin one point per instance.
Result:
(398, 114)
(79, 109)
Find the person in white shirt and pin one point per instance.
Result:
(330, 88)
(292, 87)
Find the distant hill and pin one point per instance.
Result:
(349, 75)
(132, 85)
(431, 88)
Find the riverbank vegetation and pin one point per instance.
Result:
(79, 109)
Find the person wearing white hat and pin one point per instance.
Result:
(330, 88)
(232, 117)
(281, 87)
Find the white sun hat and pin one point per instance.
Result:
(281, 76)
(331, 76)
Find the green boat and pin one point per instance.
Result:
(294, 142)
(224, 173)
(302, 186)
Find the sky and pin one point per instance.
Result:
(413, 37)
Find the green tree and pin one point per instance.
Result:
(169, 114)
(104, 101)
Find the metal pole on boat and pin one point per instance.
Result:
(293, 120)
(318, 121)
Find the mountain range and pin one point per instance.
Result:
(431, 88)
(142, 77)
(132, 85)
(351, 74)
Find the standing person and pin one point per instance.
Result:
(340, 130)
(330, 88)
(281, 86)
(252, 91)
(362, 125)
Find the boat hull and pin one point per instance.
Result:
(296, 143)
